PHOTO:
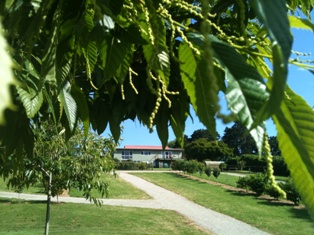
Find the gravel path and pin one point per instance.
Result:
(215, 222)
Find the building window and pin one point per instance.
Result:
(145, 152)
(126, 155)
(167, 154)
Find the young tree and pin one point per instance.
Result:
(216, 172)
(78, 163)
(104, 62)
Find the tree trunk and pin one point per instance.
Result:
(48, 205)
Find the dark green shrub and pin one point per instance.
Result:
(257, 183)
(192, 166)
(243, 183)
(142, 165)
(179, 165)
(232, 162)
(208, 171)
(216, 172)
(130, 165)
(254, 163)
(201, 168)
(241, 164)
(290, 189)
(222, 166)
(271, 191)
(280, 167)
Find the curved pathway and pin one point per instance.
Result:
(214, 222)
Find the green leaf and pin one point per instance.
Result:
(90, 54)
(108, 22)
(6, 77)
(82, 107)
(31, 99)
(48, 68)
(246, 91)
(296, 22)
(132, 34)
(113, 54)
(197, 86)
(30, 91)
(178, 130)
(123, 70)
(100, 114)
(35, 26)
(161, 121)
(48, 98)
(238, 100)
(178, 115)
(68, 104)
(117, 115)
(157, 56)
(273, 14)
(295, 127)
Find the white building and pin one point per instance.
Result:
(151, 154)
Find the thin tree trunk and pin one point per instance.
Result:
(48, 205)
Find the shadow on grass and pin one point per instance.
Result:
(188, 178)
(301, 213)
(298, 212)
(273, 202)
(240, 193)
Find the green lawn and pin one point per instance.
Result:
(118, 189)
(223, 179)
(37, 189)
(20, 217)
(162, 169)
(272, 217)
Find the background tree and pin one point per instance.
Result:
(202, 149)
(205, 134)
(175, 143)
(105, 62)
(274, 147)
(238, 138)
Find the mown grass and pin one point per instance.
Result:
(118, 189)
(36, 189)
(273, 217)
(281, 178)
(27, 218)
(223, 178)
(162, 169)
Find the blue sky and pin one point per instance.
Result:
(300, 80)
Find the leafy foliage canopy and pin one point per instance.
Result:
(102, 62)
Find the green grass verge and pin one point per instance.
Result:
(36, 189)
(20, 217)
(162, 169)
(231, 180)
(273, 217)
(223, 179)
(281, 178)
(118, 189)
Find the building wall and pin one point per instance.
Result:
(146, 155)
